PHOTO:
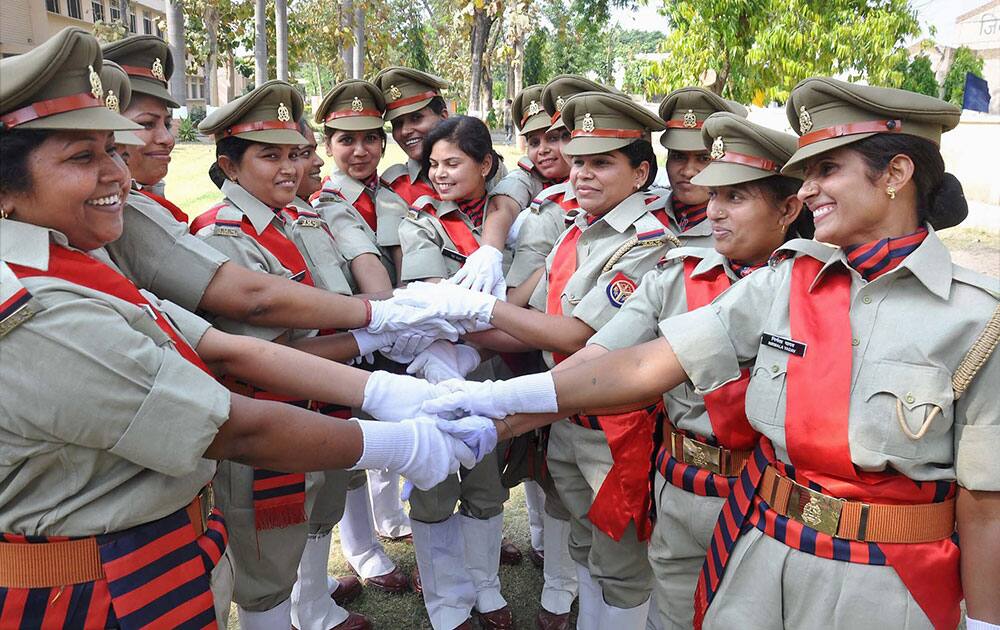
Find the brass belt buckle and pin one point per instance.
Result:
(814, 509)
(702, 455)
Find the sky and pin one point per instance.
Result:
(940, 13)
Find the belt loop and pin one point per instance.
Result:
(863, 521)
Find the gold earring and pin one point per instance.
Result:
(3, 212)
(891, 191)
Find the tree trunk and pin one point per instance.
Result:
(175, 39)
(260, 43)
(481, 24)
(212, 66)
(281, 37)
(359, 41)
(518, 62)
(347, 51)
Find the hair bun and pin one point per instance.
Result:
(948, 204)
(217, 175)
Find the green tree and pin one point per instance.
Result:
(535, 68)
(757, 50)
(918, 76)
(965, 61)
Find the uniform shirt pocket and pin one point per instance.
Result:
(766, 390)
(898, 394)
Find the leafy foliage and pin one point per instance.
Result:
(965, 61)
(918, 76)
(188, 130)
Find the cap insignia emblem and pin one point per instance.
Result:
(95, 83)
(157, 70)
(534, 108)
(690, 120)
(805, 120)
(718, 148)
(394, 92)
(588, 123)
(357, 105)
(559, 103)
(112, 102)
(283, 114)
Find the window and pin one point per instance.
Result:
(52, 5)
(147, 24)
(73, 9)
(131, 23)
(98, 10)
(195, 88)
(116, 14)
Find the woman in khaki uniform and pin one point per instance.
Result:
(104, 524)
(596, 461)
(752, 210)
(872, 383)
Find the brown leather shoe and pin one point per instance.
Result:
(499, 619)
(348, 591)
(509, 553)
(415, 581)
(551, 621)
(354, 621)
(394, 581)
(465, 625)
(537, 558)
(407, 539)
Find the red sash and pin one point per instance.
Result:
(366, 208)
(177, 213)
(459, 233)
(816, 434)
(563, 268)
(411, 191)
(84, 270)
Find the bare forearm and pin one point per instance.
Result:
(978, 516)
(521, 294)
(397, 260)
(370, 274)
(337, 347)
(267, 300)
(502, 212)
(498, 341)
(555, 333)
(284, 437)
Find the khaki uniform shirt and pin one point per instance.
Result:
(698, 236)
(542, 226)
(156, 252)
(102, 422)
(521, 184)
(911, 328)
(661, 295)
(589, 294)
(309, 234)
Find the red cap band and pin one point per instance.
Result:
(749, 160)
(608, 133)
(680, 124)
(51, 107)
(350, 113)
(260, 125)
(850, 129)
(139, 71)
(411, 99)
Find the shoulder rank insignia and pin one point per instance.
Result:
(620, 289)
(412, 213)
(227, 228)
(16, 310)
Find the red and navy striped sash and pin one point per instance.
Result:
(474, 209)
(879, 257)
(157, 575)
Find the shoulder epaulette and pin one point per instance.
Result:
(546, 194)
(421, 204)
(309, 219)
(651, 233)
(228, 221)
(976, 279)
(525, 164)
(16, 304)
(805, 246)
(393, 173)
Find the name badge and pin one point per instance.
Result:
(450, 253)
(785, 345)
(299, 276)
(149, 311)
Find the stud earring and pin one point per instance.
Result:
(3, 212)
(891, 191)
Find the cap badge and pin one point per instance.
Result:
(283, 114)
(690, 120)
(394, 92)
(805, 120)
(718, 148)
(559, 103)
(588, 123)
(534, 108)
(112, 102)
(95, 83)
(157, 70)
(357, 105)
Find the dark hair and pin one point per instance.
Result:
(15, 147)
(233, 148)
(306, 129)
(940, 200)
(438, 106)
(777, 188)
(470, 134)
(640, 151)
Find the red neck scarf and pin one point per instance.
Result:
(474, 209)
(877, 258)
(689, 216)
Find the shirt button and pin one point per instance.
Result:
(775, 368)
(867, 299)
(909, 399)
(855, 342)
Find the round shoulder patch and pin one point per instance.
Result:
(620, 289)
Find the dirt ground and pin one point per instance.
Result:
(975, 248)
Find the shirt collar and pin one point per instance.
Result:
(27, 244)
(622, 216)
(350, 188)
(710, 259)
(413, 169)
(259, 213)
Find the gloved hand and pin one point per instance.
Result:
(415, 448)
(481, 269)
(369, 343)
(449, 301)
(515, 228)
(409, 344)
(443, 360)
(535, 393)
(477, 432)
(393, 397)
(394, 315)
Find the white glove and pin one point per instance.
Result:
(515, 228)
(535, 393)
(442, 361)
(369, 343)
(975, 624)
(393, 397)
(394, 315)
(477, 432)
(481, 269)
(408, 345)
(415, 448)
(449, 301)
